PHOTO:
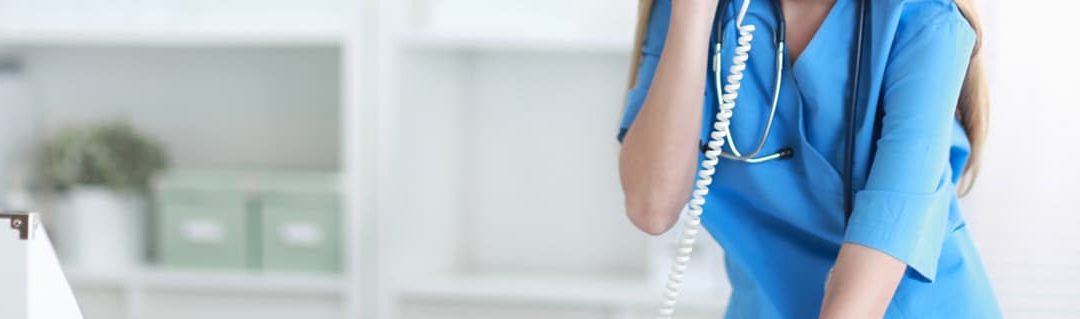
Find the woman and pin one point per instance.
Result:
(792, 250)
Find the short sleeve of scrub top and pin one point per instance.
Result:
(904, 209)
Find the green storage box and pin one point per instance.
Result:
(300, 232)
(284, 221)
(203, 229)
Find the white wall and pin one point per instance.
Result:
(1024, 208)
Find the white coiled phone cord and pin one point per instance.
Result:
(708, 166)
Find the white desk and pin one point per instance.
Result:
(32, 285)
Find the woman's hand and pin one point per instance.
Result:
(861, 284)
(660, 151)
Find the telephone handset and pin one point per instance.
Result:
(720, 132)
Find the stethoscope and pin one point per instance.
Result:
(779, 39)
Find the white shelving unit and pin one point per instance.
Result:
(288, 62)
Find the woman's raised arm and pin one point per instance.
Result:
(660, 150)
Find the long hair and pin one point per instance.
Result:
(972, 108)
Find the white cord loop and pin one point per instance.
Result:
(719, 134)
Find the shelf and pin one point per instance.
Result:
(292, 284)
(518, 42)
(168, 37)
(587, 291)
(215, 282)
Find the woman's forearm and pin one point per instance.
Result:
(862, 283)
(659, 152)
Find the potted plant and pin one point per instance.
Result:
(102, 174)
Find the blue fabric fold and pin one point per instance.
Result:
(908, 227)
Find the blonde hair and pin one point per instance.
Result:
(972, 108)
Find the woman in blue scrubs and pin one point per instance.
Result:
(791, 249)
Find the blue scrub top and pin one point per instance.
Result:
(781, 222)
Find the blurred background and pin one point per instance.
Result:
(420, 159)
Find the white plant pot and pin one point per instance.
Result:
(99, 230)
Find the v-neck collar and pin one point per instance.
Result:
(814, 39)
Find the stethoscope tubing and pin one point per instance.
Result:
(849, 154)
(780, 42)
